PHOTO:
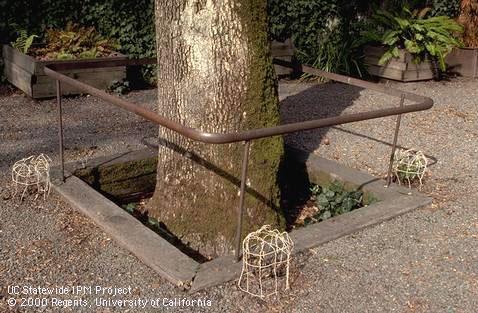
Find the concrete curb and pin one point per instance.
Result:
(183, 271)
(151, 249)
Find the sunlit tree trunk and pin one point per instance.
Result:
(469, 19)
(216, 75)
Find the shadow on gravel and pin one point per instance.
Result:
(85, 129)
(318, 101)
(433, 159)
(304, 104)
(314, 101)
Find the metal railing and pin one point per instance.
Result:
(420, 103)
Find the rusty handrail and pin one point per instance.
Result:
(224, 138)
(421, 103)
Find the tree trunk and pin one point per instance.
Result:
(215, 74)
(469, 19)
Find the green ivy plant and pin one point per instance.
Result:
(120, 87)
(334, 200)
(303, 21)
(131, 23)
(23, 41)
(449, 8)
(431, 38)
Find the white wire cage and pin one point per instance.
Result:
(409, 166)
(265, 263)
(32, 171)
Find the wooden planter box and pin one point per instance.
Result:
(283, 51)
(463, 61)
(401, 68)
(26, 73)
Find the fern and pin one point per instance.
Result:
(24, 41)
(75, 42)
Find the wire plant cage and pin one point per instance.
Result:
(265, 263)
(32, 171)
(409, 166)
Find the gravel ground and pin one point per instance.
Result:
(424, 261)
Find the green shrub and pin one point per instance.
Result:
(450, 8)
(340, 53)
(325, 32)
(432, 37)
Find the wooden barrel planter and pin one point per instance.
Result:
(401, 68)
(26, 73)
(463, 61)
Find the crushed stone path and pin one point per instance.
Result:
(424, 261)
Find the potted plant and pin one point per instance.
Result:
(464, 60)
(24, 61)
(408, 46)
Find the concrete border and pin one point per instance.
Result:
(153, 250)
(186, 273)
(393, 201)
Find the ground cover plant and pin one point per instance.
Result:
(328, 201)
(324, 202)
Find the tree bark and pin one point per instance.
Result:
(215, 74)
(469, 19)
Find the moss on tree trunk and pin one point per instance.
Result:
(215, 74)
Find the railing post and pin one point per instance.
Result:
(394, 145)
(245, 160)
(60, 128)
